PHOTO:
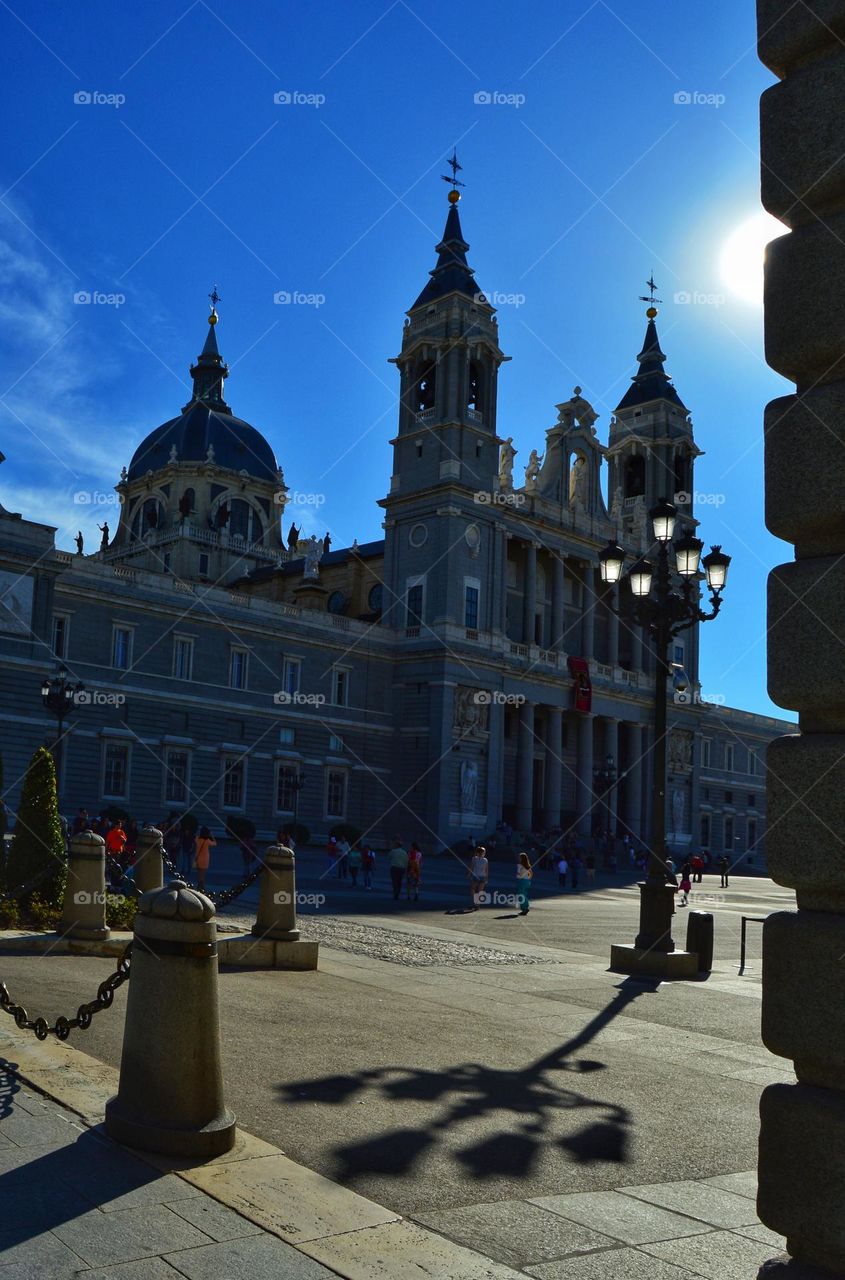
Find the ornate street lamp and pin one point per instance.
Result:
(297, 783)
(604, 780)
(59, 694)
(665, 603)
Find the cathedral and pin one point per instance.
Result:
(464, 671)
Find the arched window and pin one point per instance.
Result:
(148, 515)
(681, 478)
(425, 385)
(475, 392)
(244, 521)
(635, 476)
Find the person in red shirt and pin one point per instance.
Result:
(115, 840)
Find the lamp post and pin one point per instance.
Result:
(58, 694)
(297, 783)
(665, 601)
(604, 779)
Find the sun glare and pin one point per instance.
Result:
(741, 259)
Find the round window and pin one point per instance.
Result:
(375, 597)
(418, 535)
(336, 602)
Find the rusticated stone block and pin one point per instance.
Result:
(805, 303)
(804, 504)
(806, 668)
(803, 142)
(792, 30)
(802, 1171)
(803, 972)
(805, 829)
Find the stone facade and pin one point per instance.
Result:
(423, 683)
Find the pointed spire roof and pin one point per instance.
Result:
(452, 273)
(651, 382)
(211, 369)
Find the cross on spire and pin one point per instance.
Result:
(456, 169)
(214, 298)
(652, 289)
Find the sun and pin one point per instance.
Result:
(741, 259)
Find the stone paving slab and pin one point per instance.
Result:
(741, 1184)
(215, 1220)
(720, 1255)
(147, 1269)
(614, 1264)
(713, 1205)
(103, 1238)
(404, 1251)
(260, 1257)
(622, 1217)
(515, 1232)
(36, 1256)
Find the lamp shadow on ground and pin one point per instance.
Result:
(524, 1102)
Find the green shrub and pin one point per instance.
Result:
(299, 831)
(238, 828)
(38, 844)
(346, 831)
(42, 915)
(120, 911)
(10, 916)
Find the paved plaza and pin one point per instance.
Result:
(475, 1093)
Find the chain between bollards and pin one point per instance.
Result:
(226, 896)
(62, 1027)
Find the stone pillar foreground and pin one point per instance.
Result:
(84, 908)
(149, 868)
(802, 1140)
(276, 917)
(170, 1096)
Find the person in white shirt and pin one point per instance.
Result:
(524, 876)
(479, 873)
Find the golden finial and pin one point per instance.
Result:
(454, 195)
(214, 297)
(652, 289)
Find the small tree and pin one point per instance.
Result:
(38, 844)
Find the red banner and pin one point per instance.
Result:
(582, 688)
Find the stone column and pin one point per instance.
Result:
(525, 767)
(84, 909)
(588, 615)
(148, 862)
(612, 638)
(802, 1140)
(636, 641)
(529, 598)
(558, 600)
(554, 764)
(584, 774)
(611, 748)
(634, 781)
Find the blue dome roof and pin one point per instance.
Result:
(236, 444)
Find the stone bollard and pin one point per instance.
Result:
(84, 910)
(276, 918)
(149, 868)
(170, 1097)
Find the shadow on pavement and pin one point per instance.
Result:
(524, 1101)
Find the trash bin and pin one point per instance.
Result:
(700, 938)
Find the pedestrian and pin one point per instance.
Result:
(368, 863)
(188, 835)
(590, 865)
(131, 847)
(524, 876)
(575, 867)
(205, 842)
(724, 869)
(354, 860)
(331, 853)
(413, 878)
(397, 860)
(172, 840)
(479, 874)
(81, 823)
(697, 864)
(115, 839)
(562, 871)
(686, 884)
(342, 858)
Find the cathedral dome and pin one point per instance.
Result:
(206, 430)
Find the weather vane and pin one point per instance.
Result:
(652, 287)
(214, 297)
(456, 169)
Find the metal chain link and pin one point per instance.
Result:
(124, 877)
(225, 896)
(62, 1027)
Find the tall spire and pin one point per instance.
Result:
(210, 369)
(452, 272)
(651, 382)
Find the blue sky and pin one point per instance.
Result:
(583, 175)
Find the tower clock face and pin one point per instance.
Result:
(375, 597)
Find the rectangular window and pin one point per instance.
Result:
(752, 761)
(752, 801)
(705, 831)
(237, 668)
(471, 608)
(183, 657)
(286, 737)
(233, 782)
(336, 794)
(286, 788)
(728, 841)
(335, 743)
(340, 687)
(61, 624)
(679, 654)
(291, 671)
(121, 650)
(166, 562)
(414, 606)
(729, 797)
(203, 565)
(751, 834)
(176, 777)
(706, 745)
(729, 757)
(115, 770)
